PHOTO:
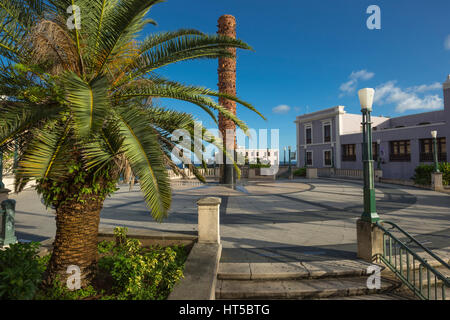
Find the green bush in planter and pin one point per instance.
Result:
(140, 273)
(21, 271)
(259, 165)
(444, 167)
(301, 172)
(423, 173)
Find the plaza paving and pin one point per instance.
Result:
(269, 221)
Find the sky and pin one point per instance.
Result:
(312, 55)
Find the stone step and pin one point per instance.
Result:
(381, 296)
(291, 270)
(299, 289)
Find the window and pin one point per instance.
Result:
(327, 158)
(400, 150)
(308, 135)
(327, 132)
(375, 151)
(309, 158)
(426, 150)
(348, 152)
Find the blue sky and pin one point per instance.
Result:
(311, 55)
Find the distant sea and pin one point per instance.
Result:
(293, 163)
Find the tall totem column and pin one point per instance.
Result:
(227, 84)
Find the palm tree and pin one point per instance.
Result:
(79, 103)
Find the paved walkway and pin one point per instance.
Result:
(274, 221)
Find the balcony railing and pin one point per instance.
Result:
(429, 157)
(349, 157)
(400, 157)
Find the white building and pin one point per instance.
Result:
(264, 155)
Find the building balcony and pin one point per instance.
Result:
(399, 157)
(349, 158)
(429, 157)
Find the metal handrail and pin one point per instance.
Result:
(411, 238)
(387, 259)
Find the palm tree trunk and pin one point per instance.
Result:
(76, 240)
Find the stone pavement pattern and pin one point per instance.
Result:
(273, 221)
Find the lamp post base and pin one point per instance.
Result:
(436, 181)
(369, 239)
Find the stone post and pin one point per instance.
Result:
(4, 194)
(370, 240)
(378, 175)
(209, 220)
(436, 181)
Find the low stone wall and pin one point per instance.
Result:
(255, 173)
(200, 274)
(8, 181)
(147, 239)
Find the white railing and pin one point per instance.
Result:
(351, 173)
(208, 172)
(347, 173)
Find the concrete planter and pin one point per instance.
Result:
(311, 173)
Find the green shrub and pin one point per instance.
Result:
(444, 167)
(423, 173)
(140, 273)
(301, 172)
(259, 165)
(21, 271)
(59, 291)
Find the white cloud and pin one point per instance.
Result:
(349, 87)
(361, 75)
(408, 99)
(447, 43)
(425, 87)
(281, 109)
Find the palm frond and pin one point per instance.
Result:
(120, 26)
(40, 158)
(89, 103)
(18, 118)
(165, 89)
(183, 47)
(140, 146)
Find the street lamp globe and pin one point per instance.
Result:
(366, 98)
(434, 134)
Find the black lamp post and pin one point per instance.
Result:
(366, 101)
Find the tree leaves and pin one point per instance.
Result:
(140, 146)
(89, 103)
